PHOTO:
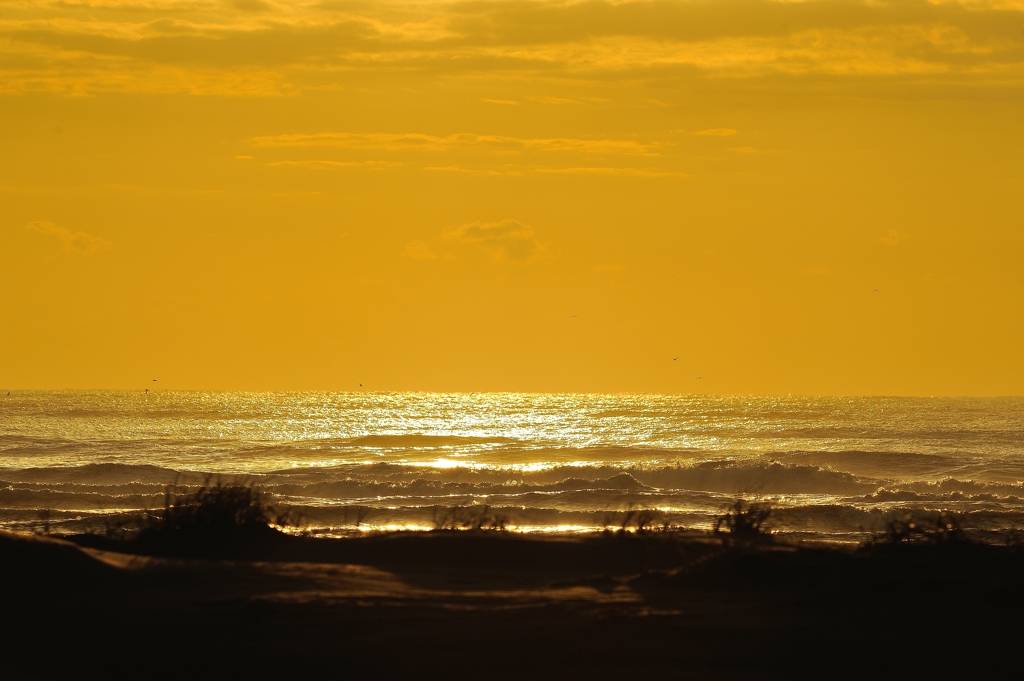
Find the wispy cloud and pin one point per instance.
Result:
(316, 164)
(547, 99)
(266, 47)
(717, 132)
(893, 238)
(418, 250)
(71, 243)
(459, 169)
(507, 241)
(604, 170)
(435, 143)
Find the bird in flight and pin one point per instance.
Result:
(698, 378)
(360, 385)
(154, 380)
(876, 291)
(675, 358)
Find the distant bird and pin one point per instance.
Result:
(675, 358)
(876, 291)
(698, 378)
(360, 385)
(572, 315)
(154, 380)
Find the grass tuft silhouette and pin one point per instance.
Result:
(943, 528)
(208, 520)
(743, 523)
(468, 518)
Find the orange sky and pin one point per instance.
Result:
(534, 196)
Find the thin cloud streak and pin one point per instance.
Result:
(601, 170)
(433, 143)
(70, 242)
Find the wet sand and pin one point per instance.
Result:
(489, 605)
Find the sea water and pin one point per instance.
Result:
(838, 468)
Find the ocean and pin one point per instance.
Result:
(831, 468)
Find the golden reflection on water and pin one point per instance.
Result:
(259, 432)
(555, 463)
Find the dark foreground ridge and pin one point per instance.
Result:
(495, 605)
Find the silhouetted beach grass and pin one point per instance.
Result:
(216, 519)
(239, 595)
(211, 577)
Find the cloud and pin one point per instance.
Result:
(71, 243)
(459, 169)
(434, 143)
(316, 164)
(717, 132)
(506, 102)
(418, 250)
(252, 5)
(893, 238)
(602, 170)
(547, 99)
(257, 47)
(507, 241)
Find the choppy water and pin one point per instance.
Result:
(831, 467)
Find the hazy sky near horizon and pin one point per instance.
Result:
(818, 197)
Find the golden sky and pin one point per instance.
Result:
(820, 197)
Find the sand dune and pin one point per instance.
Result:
(493, 605)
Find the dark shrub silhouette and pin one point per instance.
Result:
(943, 528)
(468, 518)
(213, 514)
(743, 522)
(642, 519)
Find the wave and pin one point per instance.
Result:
(12, 498)
(838, 518)
(759, 476)
(420, 440)
(767, 477)
(878, 464)
(571, 510)
(15, 443)
(755, 477)
(827, 520)
(951, 489)
(101, 473)
(805, 497)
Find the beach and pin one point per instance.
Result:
(502, 606)
(508, 536)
